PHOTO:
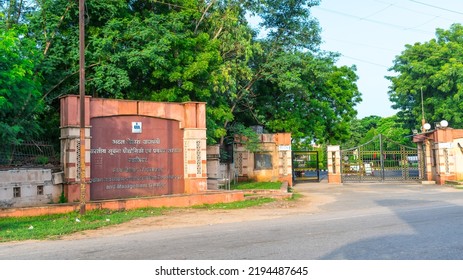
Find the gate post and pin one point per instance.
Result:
(334, 164)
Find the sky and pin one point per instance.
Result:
(371, 33)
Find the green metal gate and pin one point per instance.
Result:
(305, 166)
(379, 160)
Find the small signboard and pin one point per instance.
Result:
(284, 148)
(448, 145)
(136, 127)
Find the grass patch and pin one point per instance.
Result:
(257, 186)
(54, 226)
(295, 196)
(236, 204)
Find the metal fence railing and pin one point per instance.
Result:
(28, 153)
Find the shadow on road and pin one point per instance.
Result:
(431, 231)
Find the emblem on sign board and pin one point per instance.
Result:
(136, 127)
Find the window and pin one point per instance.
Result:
(17, 192)
(39, 190)
(262, 161)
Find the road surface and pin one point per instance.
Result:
(350, 222)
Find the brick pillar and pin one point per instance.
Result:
(334, 165)
(195, 160)
(70, 146)
(195, 149)
(285, 170)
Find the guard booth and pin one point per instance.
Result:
(306, 166)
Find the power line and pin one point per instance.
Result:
(413, 10)
(374, 21)
(364, 45)
(379, 11)
(436, 7)
(365, 61)
(426, 22)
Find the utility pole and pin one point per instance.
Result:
(83, 188)
(423, 120)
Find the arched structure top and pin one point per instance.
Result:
(189, 114)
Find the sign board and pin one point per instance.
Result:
(284, 148)
(127, 161)
(448, 145)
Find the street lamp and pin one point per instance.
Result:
(444, 123)
(426, 127)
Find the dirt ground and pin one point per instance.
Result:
(188, 217)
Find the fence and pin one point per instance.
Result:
(27, 154)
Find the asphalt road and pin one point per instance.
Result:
(363, 221)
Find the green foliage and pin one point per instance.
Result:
(185, 50)
(257, 185)
(236, 205)
(434, 68)
(247, 136)
(62, 198)
(366, 129)
(42, 160)
(309, 97)
(20, 94)
(54, 226)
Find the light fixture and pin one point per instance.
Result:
(427, 126)
(444, 123)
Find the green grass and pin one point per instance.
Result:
(236, 205)
(257, 185)
(54, 226)
(295, 196)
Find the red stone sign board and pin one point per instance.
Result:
(135, 156)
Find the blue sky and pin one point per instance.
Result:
(370, 33)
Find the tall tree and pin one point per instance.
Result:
(310, 97)
(19, 85)
(432, 70)
(290, 28)
(201, 50)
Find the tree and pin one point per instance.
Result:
(360, 130)
(199, 50)
(310, 97)
(179, 51)
(290, 28)
(20, 93)
(434, 70)
(367, 128)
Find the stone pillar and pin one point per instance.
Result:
(421, 160)
(285, 170)
(334, 165)
(428, 160)
(213, 166)
(70, 146)
(445, 162)
(194, 139)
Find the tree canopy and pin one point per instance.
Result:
(182, 50)
(432, 70)
(20, 95)
(365, 129)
